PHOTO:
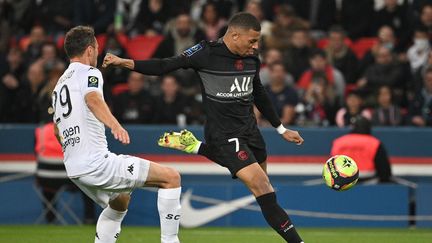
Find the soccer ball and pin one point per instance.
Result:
(340, 173)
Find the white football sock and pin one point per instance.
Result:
(169, 214)
(109, 225)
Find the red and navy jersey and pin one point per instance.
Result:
(230, 86)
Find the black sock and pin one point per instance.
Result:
(277, 218)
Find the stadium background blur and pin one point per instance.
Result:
(324, 62)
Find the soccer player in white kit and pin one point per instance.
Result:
(80, 115)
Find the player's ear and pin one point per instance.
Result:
(235, 35)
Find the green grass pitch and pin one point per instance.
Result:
(66, 234)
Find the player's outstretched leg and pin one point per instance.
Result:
(258, 182)
(168, 202)
(108, 226)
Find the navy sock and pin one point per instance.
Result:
(277, 218)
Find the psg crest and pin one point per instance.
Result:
(238, 64)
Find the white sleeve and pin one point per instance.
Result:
(92, 81)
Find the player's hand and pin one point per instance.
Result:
(293, 136)
(121, 134)
(111, 59)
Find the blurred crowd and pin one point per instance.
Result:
(324, 62)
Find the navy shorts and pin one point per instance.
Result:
(237, 153)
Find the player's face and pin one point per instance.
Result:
(247, 42)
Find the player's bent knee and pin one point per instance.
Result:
(121, 202)
(261, 187)
(173, 178)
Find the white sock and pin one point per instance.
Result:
(109, 225)
(169, 214)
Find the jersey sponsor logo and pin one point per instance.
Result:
(244, 87)
(192, 50)
(237, 89)
(242, 155)
(93, 81)
(192, 217)
(70, 136)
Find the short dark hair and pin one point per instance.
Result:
(245, 21)
(361, 125)
(78, 39)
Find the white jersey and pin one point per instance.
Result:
(82, 134)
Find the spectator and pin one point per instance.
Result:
(225, 8)
(115, 75)
(420, 110)
(211, 21)
(386, 113)
(355, 17)
(49, 56)
(320, 102)
(394, 15)
(385, 71)
(418, 53)
(184, 35)
(55, 16)
(417, 83)
(172, 106)
(43, 100)
(34, 49)
(17, 17)
(320, 14)
(425, 20)
(296, 57)
(283, 97)
(285, 24)
(126, 16)
(387, 39)
(319, 65)
(24, 104)
(354, 107)
(135, 105)
(11, 77)
(341, 56)
(152, 17)
(271, 56)
(254, 7)
(96, 13)
(368, 151)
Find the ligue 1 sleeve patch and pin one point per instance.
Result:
(93, 81)
(189, 52)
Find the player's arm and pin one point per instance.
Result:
(193, 57)
(264, 105)
(100, 109)
(154, 66)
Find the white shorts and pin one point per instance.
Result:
(118, 174)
